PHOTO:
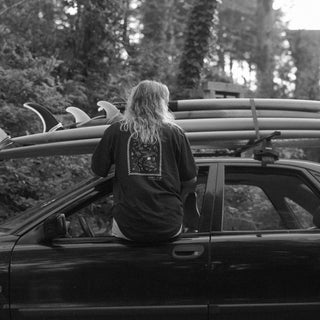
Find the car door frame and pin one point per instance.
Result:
(233, 310)
(180, 247)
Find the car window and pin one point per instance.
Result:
(29, 182)
(193, 204)
(94, 217)
(202, 179)
(302, 216)
(268, 199)
(247, 207)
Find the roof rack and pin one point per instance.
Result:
(263, 150)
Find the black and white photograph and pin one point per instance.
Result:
(159, 159)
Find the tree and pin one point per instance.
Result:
(162, 26)
(305, 51)
(198, 34)
(91, 49)
(252, 37)
(264, 58)
(236, 34)
(24, 75)
(28, 73)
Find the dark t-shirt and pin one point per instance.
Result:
(148, 178)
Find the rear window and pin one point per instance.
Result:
(268, 199)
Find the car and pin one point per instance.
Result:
(250, 248)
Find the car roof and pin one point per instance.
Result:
(310, 165)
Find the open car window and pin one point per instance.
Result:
(268, 199)
(92, 217)
(28, 185)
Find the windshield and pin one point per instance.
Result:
(19, 218)
(28, 185)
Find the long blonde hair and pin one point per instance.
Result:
(147, 111)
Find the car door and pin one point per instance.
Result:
(84, 277)
(265, 246)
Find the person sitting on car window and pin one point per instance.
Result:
(154, 167)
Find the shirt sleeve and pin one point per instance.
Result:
(187, 165)
(103, 155)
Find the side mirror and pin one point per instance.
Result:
(55, 227)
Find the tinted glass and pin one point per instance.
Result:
(193, 204)
(268, 199)
(93, 217)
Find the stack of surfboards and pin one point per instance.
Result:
(239, 119)
(216, 123)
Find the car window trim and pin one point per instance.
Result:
(62, 206)
(209, 199)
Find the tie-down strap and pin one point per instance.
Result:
(255, 118)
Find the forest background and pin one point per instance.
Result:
(62, 53)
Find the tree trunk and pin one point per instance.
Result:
(265, 60)
(196, 47)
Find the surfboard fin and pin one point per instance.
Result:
(112, 112)
(5, 140)
(49, 121)
(82, 119)
(79, 115)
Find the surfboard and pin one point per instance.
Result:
(220, 127)
(51, 123)
(190, 109)
(234, 113)
(245, 104)
(241, 124)
(222, 123)
(82, 119)
(198, 140)
(79, 115)
(63, 135)
(85, 146)
(202, 114)
(48, 120)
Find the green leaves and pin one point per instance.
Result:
(24, 182)
(199, 32)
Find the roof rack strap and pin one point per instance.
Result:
(255, 117)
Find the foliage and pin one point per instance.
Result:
(235, 36)
(292, 153)
(92, 48)
(75, 52)
(253, 36)
(196, 47)
(162, 26)
(246, 208)
(305, 51)
(42, 60)
(264, 53)
(31, 82)
(24, 182)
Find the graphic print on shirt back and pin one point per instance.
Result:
(144, 159)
